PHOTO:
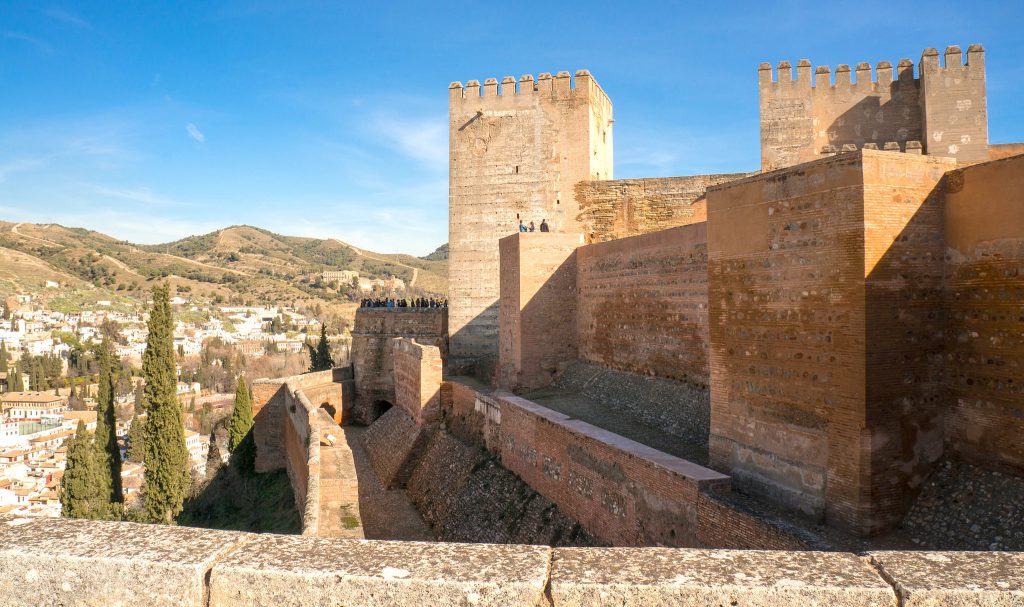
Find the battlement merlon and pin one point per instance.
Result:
(494, 94)
(953, 58)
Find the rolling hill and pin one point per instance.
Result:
(238, 264)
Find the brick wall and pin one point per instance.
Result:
(417, 379)
(372, 359)
(514, 153)
(985, 310)
(538, 308)
(643, 304)
(621, 491)
(821, 403)
(621, 208)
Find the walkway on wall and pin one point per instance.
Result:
(387, 514)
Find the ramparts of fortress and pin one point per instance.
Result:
(719, 389)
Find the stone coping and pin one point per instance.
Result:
(75, 562)
(685, 468)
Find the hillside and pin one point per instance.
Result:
(239, 264)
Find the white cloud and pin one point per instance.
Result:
(43, 47)
(66, 17)
(424, 139)
(194, 132)
(143, 195)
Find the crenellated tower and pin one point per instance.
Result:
(939, 112)
(516, 151)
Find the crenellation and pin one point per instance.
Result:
(798, 120)
(491, 87)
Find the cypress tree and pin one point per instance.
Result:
(3, 357)
(106, 423)
(167, 473)
(320, 359)
(81, 488)
(241, 416)
(137, 439)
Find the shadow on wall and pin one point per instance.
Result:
(871, 122)
(379, 408)
(478, 335)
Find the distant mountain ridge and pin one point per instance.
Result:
(235, 263)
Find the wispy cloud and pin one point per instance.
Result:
(194, 132)
(18, 165)
(65, 17)
(143, 195)
(43, 47)
(424, 139)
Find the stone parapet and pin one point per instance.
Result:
(77, 562)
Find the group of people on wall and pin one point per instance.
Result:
(416, 302)
(532, 228)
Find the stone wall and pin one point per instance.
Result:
(538, 308)
(372, 360)
(943, 111)
(621, 491)
(514, 154)
(418, 371)
(393, 444)
(984, 227)
(76, 562)
(819, 402)
(643, 304)
(301, 436)
(621, 208)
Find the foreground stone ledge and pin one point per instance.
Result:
(289, 571)
(955, 579)
(656, 577)
(46, 561)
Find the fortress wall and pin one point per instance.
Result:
(812, 404)
(418, 370)
(985, 309)
(643, 304)
(373, 363)
(903, 411)
(393, 445)
(514, 153)
(954, 106)
(538, 308)
(333, 387)
(620, 491)
(943, 110)
(46, 561)
(620, 208)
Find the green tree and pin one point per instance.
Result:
(241, 415)
(137, 439)
(81, 488)
(15, 381)
(3, 357)
(320, 358)
(167, 474)
(106, 422)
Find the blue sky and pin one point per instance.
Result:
(155, 120)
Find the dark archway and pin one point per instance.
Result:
(379, 408)
(334, 413)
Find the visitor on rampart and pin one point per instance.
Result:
(391, 303)
(544, 225)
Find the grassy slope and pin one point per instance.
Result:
(241, 261)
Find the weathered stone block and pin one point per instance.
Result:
(660, 577)
(288, 571)
(955, 579)
(79, 562)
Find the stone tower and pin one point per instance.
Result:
(515, 153)
(941, 112)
